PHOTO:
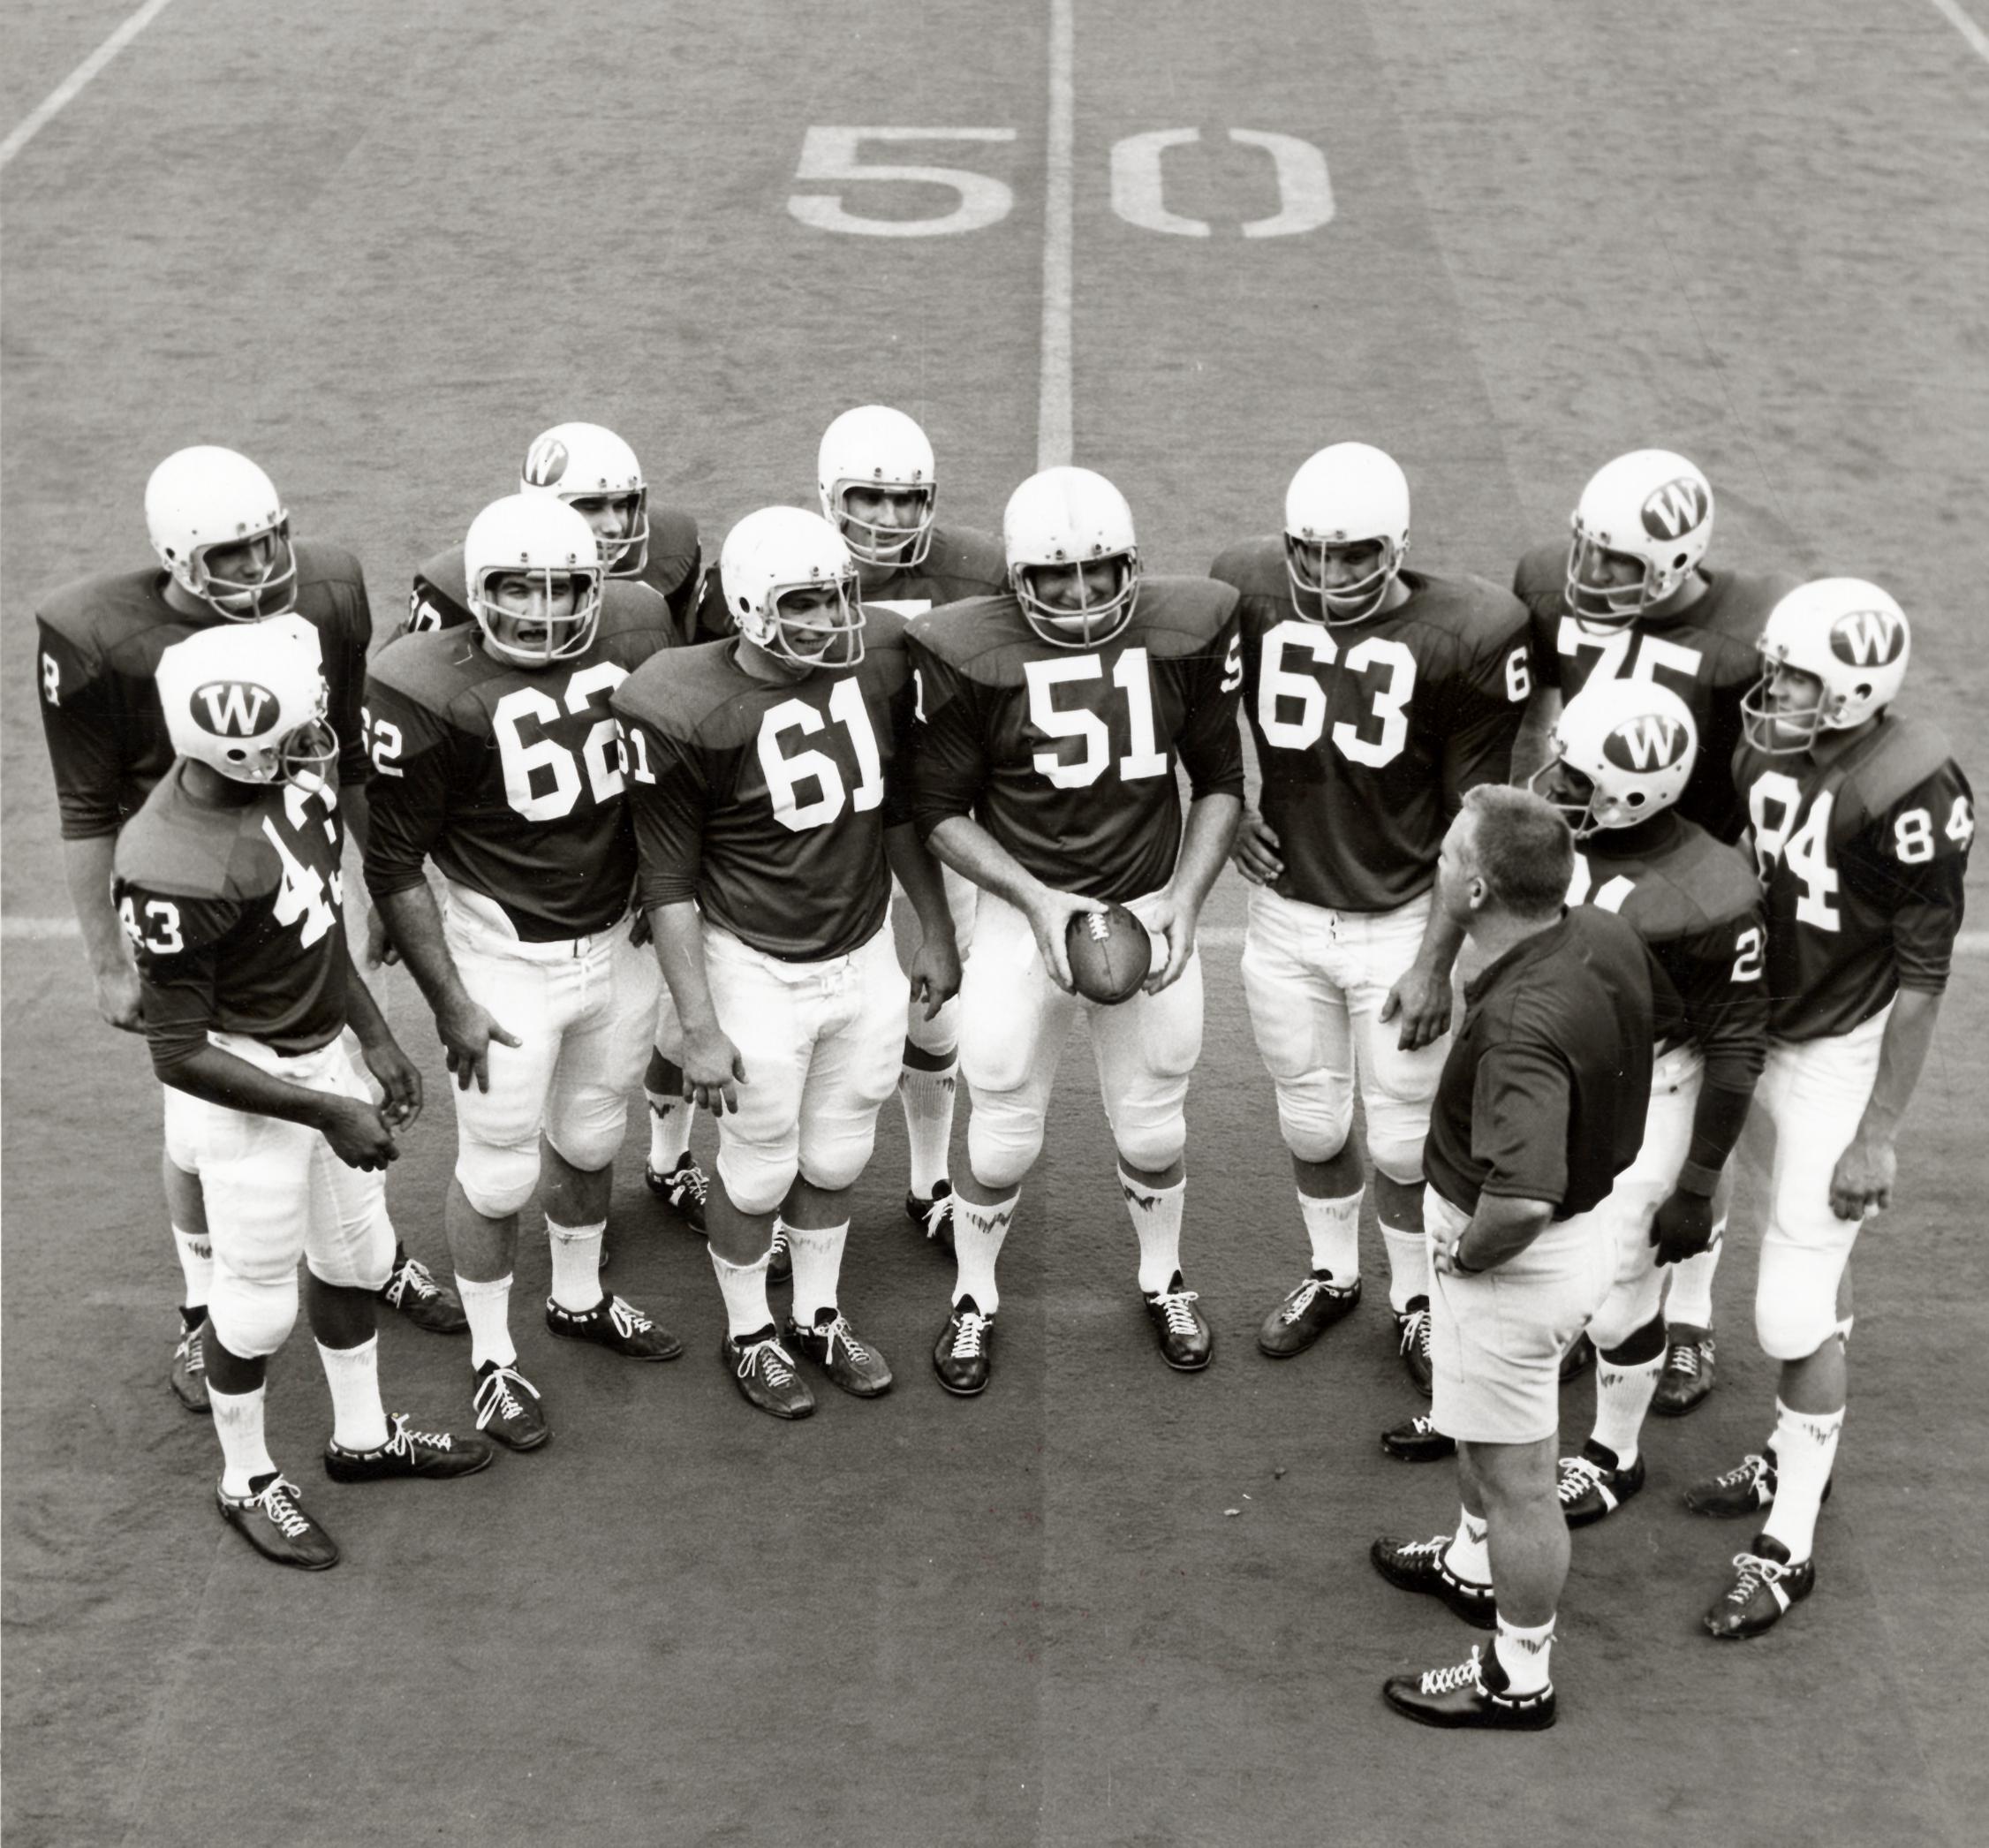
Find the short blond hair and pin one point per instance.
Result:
(1522, 849)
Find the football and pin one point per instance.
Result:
(1110, 952)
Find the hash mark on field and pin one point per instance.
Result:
(1054, 433)
(66, 92)
(1979, 40)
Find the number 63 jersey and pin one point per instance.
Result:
(1862, 859)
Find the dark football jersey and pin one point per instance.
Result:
(101, 639)
(1067, 756)
(236, 917)
(440, 598)
(1706, 656)
(959, 563)
(1369, 733)
(1863, 860)
(1696, 902)
(767, 802)
(509, 778)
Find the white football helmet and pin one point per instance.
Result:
(1623, 751)
(202, 497)
(585, 462)
(1346, 493)
(1848, 634)
(1067, 518)
(790, 586)
(540, 538)
(250, 702)
(874, 446)
(1651, 506)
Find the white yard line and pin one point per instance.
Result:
(1053, 405)
(66, 92)
(1979, 40)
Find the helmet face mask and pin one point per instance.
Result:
(1623, 752)
(791, 587)
(1640, 530)
(1833, 654)
(596, 473)
(222, 534)
(1346, 533)
(251, 704)
(882, 458)
(1072, 556)
(532, 568)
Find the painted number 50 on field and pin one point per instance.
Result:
(838, 156)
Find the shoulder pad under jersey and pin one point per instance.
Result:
(436, 669)
(93, 615)
(318, 563)
(1478, 614)
(1899, 757)
(1256, 567)
(1702, 882)
(181, 850)
(964, 563)
(673, 548)
(633, 611)
(1540, 579)
(1182, 616)
(684, 693)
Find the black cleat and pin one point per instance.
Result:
(189, 1376)
(1412, 1338)
(1590, 1488)
(617, 1325)
(1418, 1565)
(1764, 1586)
(684, 1189)
(849, 1361)
(507, 1405)
(1689, 1372)
(1473, 1693)
(1418, 1441)
(273, 1521)
(1746, 1488)
(966, 1353)
(409, 1453)
(420, 1296)
(1186, 1343)
(933, 1216)
(766, 1375)
(1305, 1313)
(780, 1259)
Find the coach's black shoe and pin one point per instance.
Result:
(617, 1325)
(849, 1361)
(933, 1216)
(1594, 1484)
(507, 1405)
(1473, 1693)
(1418, 1441)
(780, 1259)
(1578, 1359)
(966, 1353)
(1413, 1338)
(1418, 1565)
(409, 1453)
(1305, 1313)
(1186, 1343)
(684, 1189)
(1689, 1372)
(766, 1375)
(273, 1521)
(423, 1297)
(1746, 1488)
(1765, 1584)
(189, 1376)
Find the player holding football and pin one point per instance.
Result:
(1051, 719)
(224, 540)
(1378, 697)
(228, 886)
(494, 754)
(1861, 824)
(771, 817)
(1631, 597)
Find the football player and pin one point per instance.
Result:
(771, 817)
(1051, 719)
(226, 556)
(1377, 696)
(1861, 822)
(227, 887)
(494, 755)
(596, 473)
(1631, 597)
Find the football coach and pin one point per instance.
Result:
(1540, 1106)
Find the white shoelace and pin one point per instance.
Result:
(1683, 1359)
(840, 1328)
(415, 1276)
(1436, 1548)
(401, 1440)
(1751, 1472)
(1303, 1297)
(1754, 1571)
(627, 1318)
(969, 1331)
(1173, 1305)
(494, 1396)
(284, 1515)
(938, 1215)
(192, 1350)
(1416, 1332)
(688, 1182)
(1578, 1475)
(769, 1358)
(1448, 1681)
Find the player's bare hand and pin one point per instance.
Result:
(359, 1134)
(640, 933)
(935, 973)
(467, 1030)
(1050, 912)
(1681, 1227)
(1175, 924)
(713, 1069)
(1422, 998)
(399, 1079)
(380, 951)
(117, 997)
(1861, 1182)
(1255, 850)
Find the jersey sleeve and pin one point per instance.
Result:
(1488, 704)
(687, 596)
(667, 802)
(1542, 591)
(1519, 1122)
(1921, 848)
(79, 724)
(949, 749)
(346, 677)
(178, 944)
(410, 788)
(1211, 738)
(713, 622)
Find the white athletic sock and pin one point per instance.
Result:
(978, 1235)
(359, 1420)
(1622, 1397)
(1470, 1557)
(1334, 1228)
(818, 1263)
(744, 1287)
(196, 1265)
(927, 1097)
(1523, 1655)
(1688, 1303)
(1408, 1266)
(576, 1263)
(238, 1423)
(669, 1131)
(488, 1306)
(1156, 1219)
(1805, 1448)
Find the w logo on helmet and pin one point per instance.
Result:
(1652, 742)
(545, 462)
(231, 708)
(1676, 509)
(1868, 638)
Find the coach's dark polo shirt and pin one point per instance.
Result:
(1545, 1091)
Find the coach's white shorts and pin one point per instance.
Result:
(585, 1008)
(1640, 1190)
(939, 1035)
(1013, 1021)
(1315, 979)
(821, 1044)
(1806, 1109)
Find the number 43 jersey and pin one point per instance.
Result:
(508, 778)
